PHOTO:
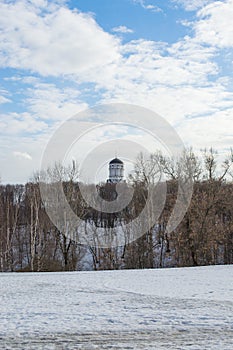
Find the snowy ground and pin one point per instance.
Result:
(186, 308)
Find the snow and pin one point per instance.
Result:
(183, 308)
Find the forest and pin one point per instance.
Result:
(30, 241)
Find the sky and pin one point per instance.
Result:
(58, 58)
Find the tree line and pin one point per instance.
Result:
(29, 241)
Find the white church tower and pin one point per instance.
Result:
(116, 171)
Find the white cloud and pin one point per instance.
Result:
(122, 29)
(153, 8)
(4, 99)
(13, 78)
(47, 106)
(52, 40)
(179, 81)
(18, 168)
(175, 103)
(192, 5)
(148, 66)
(24, 79)
(209, 130)
(20, 123)
(214, 25)
(4, 96)
(48, 102)
(23, 155)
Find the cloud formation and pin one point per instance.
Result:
(122, 29)
(147, 6)
(23, 155)
(192, 5)
(52, 40)
(214, 25)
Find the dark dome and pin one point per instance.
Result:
(116, 161)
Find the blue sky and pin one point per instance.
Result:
(60, 57)
(160, 24)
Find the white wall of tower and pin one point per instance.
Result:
(116, 172)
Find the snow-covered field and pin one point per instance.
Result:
(185, 308)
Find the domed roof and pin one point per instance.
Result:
(116, 161)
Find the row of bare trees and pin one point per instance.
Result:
(29, 241)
